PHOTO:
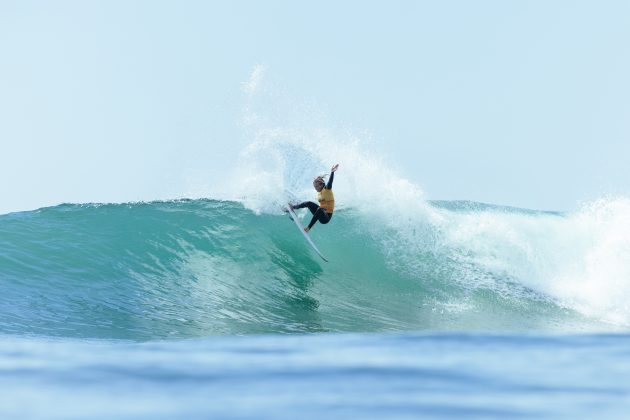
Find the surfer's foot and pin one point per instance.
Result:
(306, 229)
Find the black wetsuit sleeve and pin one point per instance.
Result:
(330, 180)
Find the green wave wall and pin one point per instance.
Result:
(194, 268)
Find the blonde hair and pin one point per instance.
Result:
(320, 179)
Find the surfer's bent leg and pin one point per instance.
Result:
(319, 214)
(311, 206)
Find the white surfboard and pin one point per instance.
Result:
(306, 235)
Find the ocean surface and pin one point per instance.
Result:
(218, 309)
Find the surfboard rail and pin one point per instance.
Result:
(295, 219)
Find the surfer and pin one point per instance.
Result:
(322, 213)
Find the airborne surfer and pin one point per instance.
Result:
(322, 213)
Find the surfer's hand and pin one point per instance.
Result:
(334, 168)
(306, 229)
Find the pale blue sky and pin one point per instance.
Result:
(519, 103)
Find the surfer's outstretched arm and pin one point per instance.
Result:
(330, 181)
(332, 175)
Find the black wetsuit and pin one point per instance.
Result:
(319, 214)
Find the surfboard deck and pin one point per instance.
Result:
(295, 219)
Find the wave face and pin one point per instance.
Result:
(193, 268)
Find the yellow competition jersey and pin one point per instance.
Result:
(326, 200)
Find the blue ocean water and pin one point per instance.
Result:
(214, 309)
(319, 376)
